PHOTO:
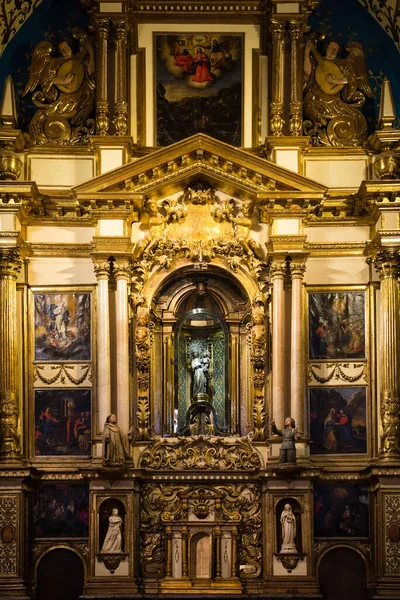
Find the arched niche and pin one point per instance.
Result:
(342, 573)
(201, 555)
(105, 511)
(217, 301)
(59, 574)
(297, 511)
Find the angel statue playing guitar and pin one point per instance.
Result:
(335, 91)
(67, 93)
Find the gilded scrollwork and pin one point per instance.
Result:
(143, 339)
(392, 533)
(200, 453)
(336, 90)
(8, 538)
(67, 92)
(237, 504)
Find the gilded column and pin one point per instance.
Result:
(168, 533)
(122, 273)
(185, 535)
(10, 442)
(102, 115)
(277, 273)
(297, 271)
(387, 263)
(121, 105)
(234, 551)
(217, 534)
(276, 120)
(296, 104)
(102, 271)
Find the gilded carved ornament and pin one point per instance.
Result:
(163, 504)
(203, 453)
(336, 89)
(198, 227)
(66, 96)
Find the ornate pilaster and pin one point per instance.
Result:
(121, 271)
(387, 263)
(121, 105)
(142, 355)
(277, 274)
(185, 535)
(102, 272)
(258, 357)
(296, 105)
(102, 115)
(217, 534)
(276, 120)
(168, 535)
(235, 536)
(297, 270)
(10, 441)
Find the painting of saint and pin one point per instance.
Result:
(336, 325)
(338, 422)
(341, 510)
(61, 510)
(63, 422)
(199, 86)
(62, 326)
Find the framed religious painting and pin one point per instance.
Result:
(61, 510)
(63, 422)
(338, 420)
(62, 326)
(336, 325)
(199, 86)
(341, 510)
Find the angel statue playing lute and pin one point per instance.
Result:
(335, 91)
(66, 98)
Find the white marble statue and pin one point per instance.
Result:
(113, 540)
(288, 523)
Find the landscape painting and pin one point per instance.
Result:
(338, 422)
(63, 422)
(336, 325)
(62, 326)
(341, 510)
(199, 80)
(61, 510)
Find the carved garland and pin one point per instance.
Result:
(8, 541)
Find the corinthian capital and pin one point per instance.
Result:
(277, 30)
(10, 262)
(102, 269)
(277, 269)
(387, 263)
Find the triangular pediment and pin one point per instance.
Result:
(170, 169)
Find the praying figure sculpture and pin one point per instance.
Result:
(113, 540)
(115, 443)
(288, 524)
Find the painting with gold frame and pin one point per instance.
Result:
(336, 322)
(199, 86)
(61, 510)
(63, 422)
(338, 421)
(62, 326)
(341, 510)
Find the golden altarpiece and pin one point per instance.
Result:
(167, 302)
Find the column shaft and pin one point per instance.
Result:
(121, 106)
(296, 105)
(276, 120)
(278, 342)
(122, 341)
(184, 552)
(103, 344)
(297, 347)
(10, 445)
(387, 263)
(102, 119)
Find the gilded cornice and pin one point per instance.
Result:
(55, 250)
(206, 10)
(164, 171)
